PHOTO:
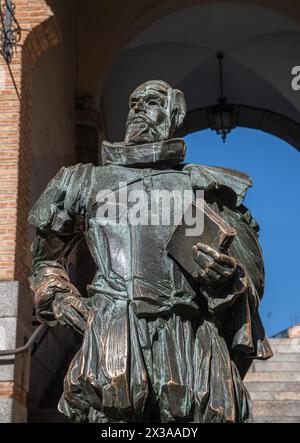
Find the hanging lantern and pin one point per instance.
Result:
(222, 117)
(10, 35)
(10, 31)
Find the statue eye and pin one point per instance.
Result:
(153, 102)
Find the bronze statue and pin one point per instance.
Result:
(159, 344)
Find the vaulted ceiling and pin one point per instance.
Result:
(120, 44)
(261, 47)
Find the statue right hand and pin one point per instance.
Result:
(214, 267)
(70, 310)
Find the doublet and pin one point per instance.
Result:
(155, 339)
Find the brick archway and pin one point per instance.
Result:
(15, 137)
(41, 38)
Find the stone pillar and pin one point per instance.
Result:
(15, 322)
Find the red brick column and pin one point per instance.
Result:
(39, 32)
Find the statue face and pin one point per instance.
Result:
(150, 115)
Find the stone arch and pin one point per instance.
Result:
(277, 112)
(162, 9)
(249, 117)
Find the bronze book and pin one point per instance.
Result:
(216, 234)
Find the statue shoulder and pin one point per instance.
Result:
(78, 172)
(232, 184)
(63, 196)
(70, 177)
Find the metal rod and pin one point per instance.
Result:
(35, 335)
(13, 80)
(220, 57)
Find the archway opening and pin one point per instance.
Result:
(273, 200)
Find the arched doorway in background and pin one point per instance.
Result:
(273, 200)
(180, 47)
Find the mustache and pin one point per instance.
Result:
(140, 118)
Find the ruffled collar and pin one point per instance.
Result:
(165, 153)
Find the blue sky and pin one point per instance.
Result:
(274, 167)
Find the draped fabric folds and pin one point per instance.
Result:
(174, 369)
(157, 347)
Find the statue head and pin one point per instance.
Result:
(156, 111)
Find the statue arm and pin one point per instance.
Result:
(49, 275)
(58, 218)
(239, 299)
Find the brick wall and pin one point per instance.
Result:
(39, 32)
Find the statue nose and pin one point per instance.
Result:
(139, 105)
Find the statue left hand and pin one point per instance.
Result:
(71, 310)
(214, 268)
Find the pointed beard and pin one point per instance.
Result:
(134, 131)
(143, 131)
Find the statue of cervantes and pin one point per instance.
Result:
(159, 343)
